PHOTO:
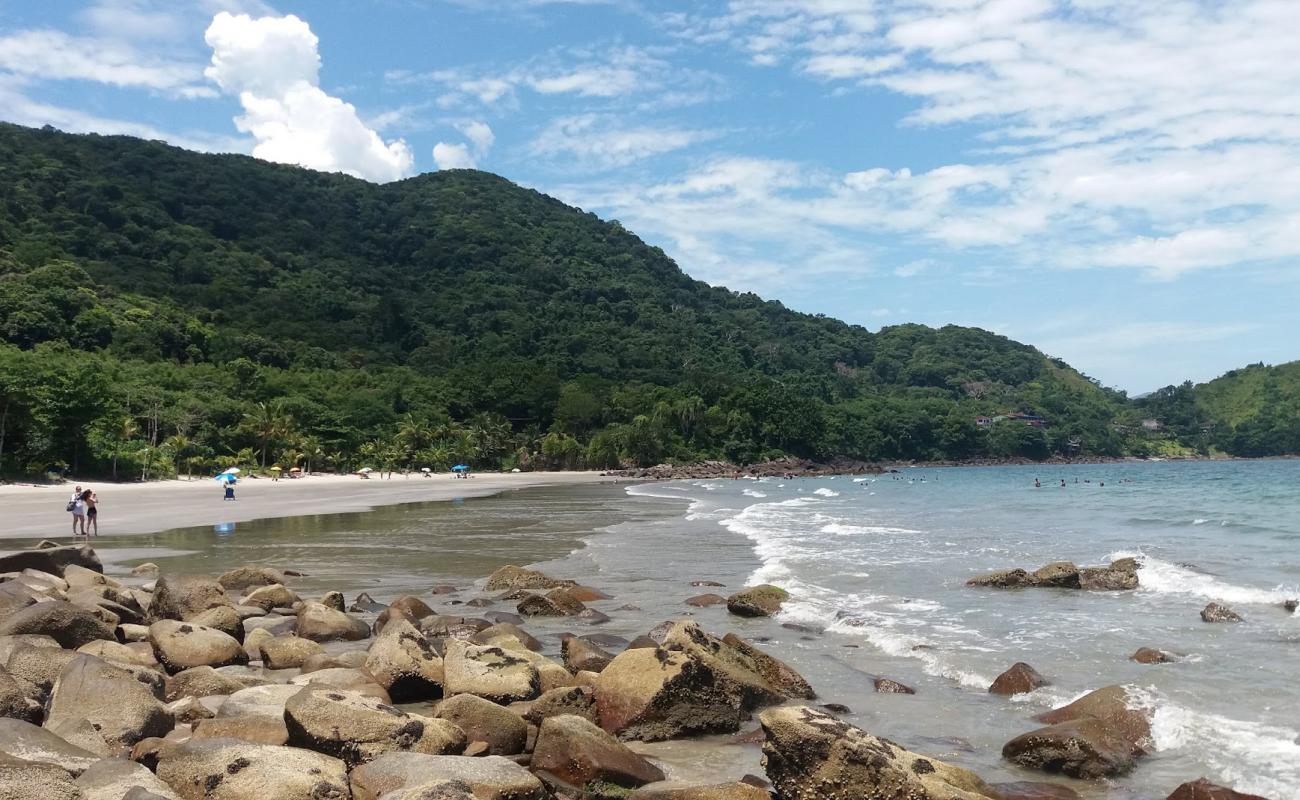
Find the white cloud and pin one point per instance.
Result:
(479, 135)
(598, 141)
(453, 156)
(55, 55)
(272, 65)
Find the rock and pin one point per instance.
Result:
(221, 618)
(1147, 655)
(69, 625)
(655, 694)
(189, 710)
(586, 594)
(718, 791)
(111, 779)
(705, 600)
(76, 575)
(1019, 679)
(810, 755)
(891, 686)
(1033, 790)
(1003, 579)
(577, 700)
(35, 668)
(512, 577)
(275, 624)
(1059, 575)
(20, 780)
(275, 595)
(1291, 605)
(592, 617)
(578, 753)
(555, 603)
(1202, 789)
(757, 601)
(412, 607)
(358, 729)
(365, 604)
(180, 646)
(258, 701)
(504, 731)
(122, 708)
(1217, 613)
(79, 732)
(230, 769)
(504, 616)
(759, 678)
(147, 568)
(580, 655)
(334, 600)
(119, 653)
(182, 597)
(495, 634)
(202, 682)
(488, 778)
(287, 652)
(1107, 579)
(253, 643)
(248, 576)
(1082, 748)
(255, 729)
(403, 661)
(490, 672)
(25, 741)
(133, 633)
(323, 624)
(1109, 704)
(51, 559)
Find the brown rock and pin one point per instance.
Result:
(230, 769)
(202, 682)
(757, 601)
(181, 645)
(357, 729)
(334, 600)
(1003, 579)
(21, 779)
(576, 700)
(182, 597)
(586, 594)
(705, 600)
(287, 652)
(70, 625)
(891, 686)
(1083, 748)
(323, 624)
(503, 731)
(655, 694)
(578, 753)
(1109, 704)
(555, 603)
(121, 708)
(1147, 655)
(221, 618)
(1202, 789)
(491, 672)
(22, 740)
(404, 662)
(1035, 790)
(487, 778)
(718, 791)
(112, 779)
(275, 595)
(495, 634)
(1019, 679)
(1217, 613)
(1059, 574)
(255, 729)
(579, 654)
(512, 577)
(247, 576)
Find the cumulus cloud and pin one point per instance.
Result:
(452, 155)
(272, 65)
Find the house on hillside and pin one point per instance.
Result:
(1151, 425)
(983, 422)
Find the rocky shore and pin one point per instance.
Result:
(234, 687)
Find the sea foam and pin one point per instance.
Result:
(1162, 577)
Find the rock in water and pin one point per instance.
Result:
(653, 694)
(579, 655)
(490, 672)
(1019, 679)
(53, 560)
(1003, 579)
(1082, 748)
(810, 755)
(1032, 790)
(323, 624)
(182, 597)
(891, 686)
(247, 576)
(1148, 655)
(1059, 574)
(761, 679)
(512, 577)
(228, 769)
(357, 729)
(578, 700)
(757, 601)
(1217, 613)
(577, 753)
(404, 662)
(1201, 789)
(488, 778)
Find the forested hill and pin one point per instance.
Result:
(167, 309)
(1253, 411)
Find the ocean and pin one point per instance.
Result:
(878, 565)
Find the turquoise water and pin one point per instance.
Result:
(879, 566)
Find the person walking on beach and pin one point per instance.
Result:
(230, 490)
(91, 501)
(78, 509)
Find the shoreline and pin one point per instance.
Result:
(37, 510)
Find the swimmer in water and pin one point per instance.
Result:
(1037, 484)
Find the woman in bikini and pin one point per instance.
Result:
(91, 502)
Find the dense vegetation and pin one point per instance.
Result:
(165, 311)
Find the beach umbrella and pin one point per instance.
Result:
(424, 469)
(365, 471)
(460, 467)
(276, 469)
(232, 471)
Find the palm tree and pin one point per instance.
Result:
(123, 432)
(178, 446)
(267, 423)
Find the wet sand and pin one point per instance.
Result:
(28, 511)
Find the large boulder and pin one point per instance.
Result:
(580, 655)
(759, 678)
(757, 601)
(1219, 613)
(576, 753)
(1057, 575)
(491, 672)
(653, 694)
(287, 652)
(718, 791)
(555, 603)
(255, 729)
(21, 779)
(811, 755)
(259, 701)
(1112, 705)
(203, 682)
(113, 778)
(182, 645)
(1018, 679)
(1202, 789)
(53, 560)
(36, 667)
(248, 576)
(502, 631)
(14, 702)
(404, 662)
(69, 625)
(357, 729)
(503, 731)
(25, 741)
(1081, 748)
(1150, 655)
(181, 597)
(1003, 579)
(512, 577)
(266, 598)
(223, 618)
(1108, 579)
(320, 623)
(577, 700)
(488, 778)
(230, 769)
(121, 707)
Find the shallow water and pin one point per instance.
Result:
(880, 564)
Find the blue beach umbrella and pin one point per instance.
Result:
(460, 468)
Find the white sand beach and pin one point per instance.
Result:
(28, 510)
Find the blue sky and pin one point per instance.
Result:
(1114, 181)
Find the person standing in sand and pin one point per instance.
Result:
(91, 501)
(78, 508)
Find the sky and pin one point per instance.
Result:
(1116, 182)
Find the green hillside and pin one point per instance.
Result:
(1256, 410)
(162, 309)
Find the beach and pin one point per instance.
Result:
(37, 510)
